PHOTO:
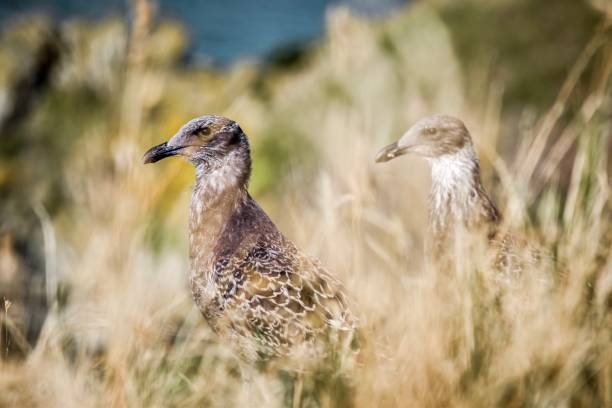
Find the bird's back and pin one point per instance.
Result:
(270, 299)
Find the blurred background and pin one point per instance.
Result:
(93, 251)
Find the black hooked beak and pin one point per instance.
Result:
(161, 151)
(390, 152)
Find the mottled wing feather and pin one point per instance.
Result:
(281, 297)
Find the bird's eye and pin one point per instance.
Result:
(204, 131)
(431, 130)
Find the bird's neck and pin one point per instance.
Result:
(454, 175)
(218, 193)
(457, 194)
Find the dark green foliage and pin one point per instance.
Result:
(532, 43)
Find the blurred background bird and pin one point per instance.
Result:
(459, 204)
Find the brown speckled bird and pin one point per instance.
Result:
(458, 197)
(254, 287)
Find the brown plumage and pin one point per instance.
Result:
(458, 199)
(253, 286)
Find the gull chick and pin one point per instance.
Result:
(256, 290)
(457, 197)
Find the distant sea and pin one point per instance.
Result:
(221, 31)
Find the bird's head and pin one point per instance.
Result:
(430, 137)
(206, 141)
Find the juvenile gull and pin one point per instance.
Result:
(457, 199)
(254, 287)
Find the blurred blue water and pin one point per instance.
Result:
(220, 31)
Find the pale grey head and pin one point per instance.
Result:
(430, 137)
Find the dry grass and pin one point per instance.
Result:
(126, 333)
